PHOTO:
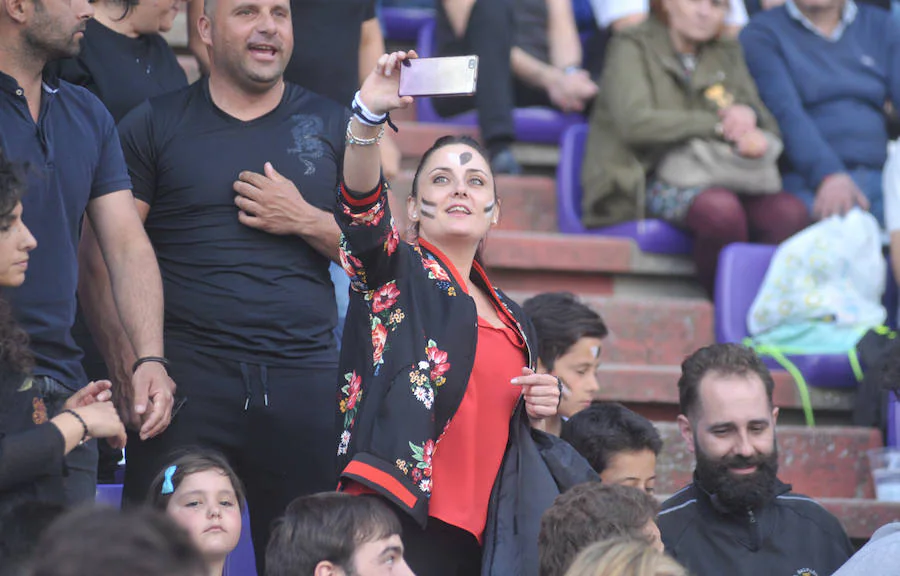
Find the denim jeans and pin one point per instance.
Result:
(81, 481)
(342, 295)
(868, 180)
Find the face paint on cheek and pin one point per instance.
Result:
(490, 207)
(464, 158)
(428, 209)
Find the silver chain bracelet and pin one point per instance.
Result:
(351, 139)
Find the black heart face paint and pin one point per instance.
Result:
(464, 158)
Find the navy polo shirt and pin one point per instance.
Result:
(72, 155)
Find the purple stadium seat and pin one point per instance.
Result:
(109, 494)
(534, 124)
(655, 236)
(742, 268)
(404, 23)
(242, 561)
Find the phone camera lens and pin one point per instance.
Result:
(471, 64)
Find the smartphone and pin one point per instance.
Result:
(450, 76)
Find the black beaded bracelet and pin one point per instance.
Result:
(146, 359)
(81, 420)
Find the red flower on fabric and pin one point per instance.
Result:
(437, 359)
(354, 391)
(349, 262)
(416, 475)
(379, 339)
(392, 241)
(434, 267)
(385, 297)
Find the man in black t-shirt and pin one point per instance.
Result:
(235, 177)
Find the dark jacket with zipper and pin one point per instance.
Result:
(537, 467)
(791, 535)
(407, 355)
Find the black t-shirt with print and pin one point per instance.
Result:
(230, 289)
(326, 46)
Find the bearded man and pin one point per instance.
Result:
(737, 517)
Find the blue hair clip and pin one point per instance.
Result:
(168, 487)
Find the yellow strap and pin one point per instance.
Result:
(791, 368)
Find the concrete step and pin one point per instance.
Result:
(821, 462)
(415, 138)
(649, 331)
(862, 517)
(587, 265)
(653, 391)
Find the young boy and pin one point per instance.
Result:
(589, 513)
(569, 344)
(619, 444)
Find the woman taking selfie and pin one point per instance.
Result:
(434, 360)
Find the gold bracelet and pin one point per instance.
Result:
(351, 139)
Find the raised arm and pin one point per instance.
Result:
(370, 238)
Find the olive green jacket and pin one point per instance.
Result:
(647, 105)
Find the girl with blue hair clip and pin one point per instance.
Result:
(202, 493)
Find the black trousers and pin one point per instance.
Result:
(489, 34)
(283, 444)
(440, 549)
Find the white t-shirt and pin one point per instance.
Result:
(608, 11)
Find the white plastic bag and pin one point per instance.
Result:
(831, 274)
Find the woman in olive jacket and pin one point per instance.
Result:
(666, 81)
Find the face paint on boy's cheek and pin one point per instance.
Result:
(428, 209)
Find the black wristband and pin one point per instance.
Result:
(81, 420)
(146, 359)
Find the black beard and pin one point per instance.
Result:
(738, 494)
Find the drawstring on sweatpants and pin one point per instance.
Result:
(264, 376)
(245, 372)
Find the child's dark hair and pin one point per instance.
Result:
(560, 321)
(589, 513)
(104, 541)
(192, 461)
(326, 526)
(604, 429)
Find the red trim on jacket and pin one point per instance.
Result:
(366, 200)
(382, 479)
